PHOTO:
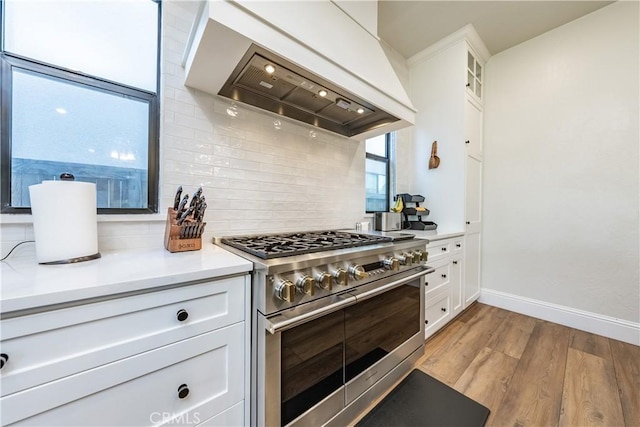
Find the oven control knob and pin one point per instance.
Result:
(405, 259)
(306, 285)
(424, 255)
(340, 276)
(285, 290)
(324, 280)
(416, 257)
(357, 272)
(391, 263)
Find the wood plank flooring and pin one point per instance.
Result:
(530, 372)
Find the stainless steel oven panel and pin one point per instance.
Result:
(323, 411)
(373, 374)
(353, 410)
(269, 275)
(298, 315)
(379, 287)
(267, 363)
(368, 378)
(266, 409)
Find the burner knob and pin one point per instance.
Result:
(357, 272)
(285, 290)
(305, 285)
(416, 257)
(405, 259)
(391, 263)
(324, 280)
(340, 276)
(423, 255)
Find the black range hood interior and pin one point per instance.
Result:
(264, 80)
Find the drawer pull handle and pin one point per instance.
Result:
(182, 315)
(455, 262)
(458, 245)
(444, 276)
(4, 358)
(426, 283)
(444, 249)
(426, 321)
(183, 391)
(443, 309)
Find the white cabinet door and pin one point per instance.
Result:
(55, 344)
(456, 285)
(471, 268)
(473, 129)
(185, 383)
(474, 195)
(437, 310)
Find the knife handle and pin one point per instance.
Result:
(176, 200)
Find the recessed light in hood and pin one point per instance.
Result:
(264, 80)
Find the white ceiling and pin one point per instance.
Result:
(411, 26)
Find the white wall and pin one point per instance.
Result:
(256, 178)
(561, 162)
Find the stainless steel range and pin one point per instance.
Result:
(337, 318)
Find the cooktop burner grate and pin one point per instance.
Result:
(281, 245)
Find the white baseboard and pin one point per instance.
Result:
(610, 327)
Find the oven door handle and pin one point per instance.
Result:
(370, 293)
(283, 321)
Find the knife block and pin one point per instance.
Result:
(172, 240)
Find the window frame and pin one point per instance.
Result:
(9, 61)
(387, 159)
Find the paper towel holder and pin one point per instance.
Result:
(66, 176)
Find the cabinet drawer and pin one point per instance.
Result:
(46, 346)
(437, 312)
(439, 278)
(233, 416)
(439, 249)
(142, 390)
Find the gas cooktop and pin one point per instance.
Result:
(269, 246)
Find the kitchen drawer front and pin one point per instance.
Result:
(233, 416)
(51, 345)
(439, 249)
(440, 277)
(143, 389)
(437, 311)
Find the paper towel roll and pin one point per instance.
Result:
(65, 221)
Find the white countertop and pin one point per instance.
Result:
(28, 285)
(433, 236)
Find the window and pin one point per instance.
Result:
(378, 169)
(81, 97)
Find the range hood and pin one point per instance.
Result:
(332, 75)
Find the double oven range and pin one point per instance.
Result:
(337, 319)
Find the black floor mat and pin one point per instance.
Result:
(420, 400)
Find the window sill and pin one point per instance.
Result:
(28, 219)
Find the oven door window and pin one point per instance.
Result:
(377, 326)
(312, 364)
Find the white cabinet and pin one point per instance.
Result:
(444, 294)
(447, 89)
(171, 356)
(473, 128)
(474, 75)
(471, 288)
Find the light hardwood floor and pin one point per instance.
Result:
(530, 372)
